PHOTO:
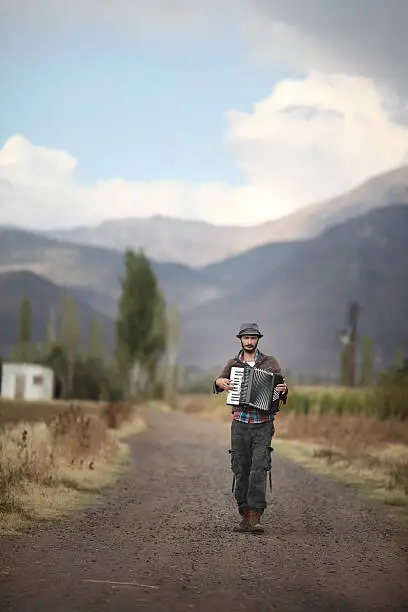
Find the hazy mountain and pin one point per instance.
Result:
(297, 290)
(45, 297)
(163, 239)
(302, 302)
(95, 272)
(238, 270)
(195, 243)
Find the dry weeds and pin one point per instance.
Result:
(15, 411)
(48, 468)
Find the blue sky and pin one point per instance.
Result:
(118, 108)
(138, 110)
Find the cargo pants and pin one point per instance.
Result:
(250, 463)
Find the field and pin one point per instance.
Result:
(55, 456)
(352, 444)
(13, 411)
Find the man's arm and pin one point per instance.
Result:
(224, 376)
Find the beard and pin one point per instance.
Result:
(249, 348)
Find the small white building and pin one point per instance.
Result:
(27, 381)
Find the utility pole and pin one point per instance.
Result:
(354, 309)
(348, 341)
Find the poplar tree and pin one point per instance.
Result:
(26, 317)
(139, 329)
(70, 336)
(24, 349)
(172, 369)
(96, 347)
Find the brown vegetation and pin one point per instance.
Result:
(367, 443)
(14, 411)
(42, 462)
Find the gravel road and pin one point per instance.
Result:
(161, 539)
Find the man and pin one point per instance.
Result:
(251, 433)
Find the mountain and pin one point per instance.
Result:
(297, 290)
(196, 244)
(301, 303)
(45, 297)
(164, 239)
(95, 273)
(239, 269)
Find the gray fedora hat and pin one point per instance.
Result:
(249, 329)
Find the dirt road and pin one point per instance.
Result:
(161, 539)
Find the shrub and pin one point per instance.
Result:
(45, 454)
(115, 414)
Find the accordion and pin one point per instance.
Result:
(254, 387)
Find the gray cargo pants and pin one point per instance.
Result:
(250, 463)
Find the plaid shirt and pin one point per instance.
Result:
(247, 414)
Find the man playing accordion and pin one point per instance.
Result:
(251, 431)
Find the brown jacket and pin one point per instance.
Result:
(265, 362)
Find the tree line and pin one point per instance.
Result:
(144, 362)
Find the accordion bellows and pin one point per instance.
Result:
(254, 387)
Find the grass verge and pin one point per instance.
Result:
(376, 480)
(48, 469)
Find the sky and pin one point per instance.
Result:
(234, 112)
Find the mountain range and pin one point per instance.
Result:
(300, 297)
(297, 288)
(196, 244)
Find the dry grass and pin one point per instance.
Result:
(14, 411)
(362, 450)
(47, 468)
(376, 448)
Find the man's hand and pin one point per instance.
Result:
(282, 388)
(225, 383)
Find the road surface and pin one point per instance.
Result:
(161, 539)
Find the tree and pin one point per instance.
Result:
(367, 365)
(96, 347)
(156, 347)
(26, 318)
(172, 368)
(69, 338)
(24, 351)
(51, 329)
(139, 329)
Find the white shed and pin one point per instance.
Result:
(27, 381)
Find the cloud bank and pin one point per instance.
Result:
(309, 140)
(343, 120)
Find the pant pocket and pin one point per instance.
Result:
(234, 460)
(268, 458)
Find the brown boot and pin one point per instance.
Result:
(255, 522)
(244, 524)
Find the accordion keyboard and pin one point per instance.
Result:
(233, 396)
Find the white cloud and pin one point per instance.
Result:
(316, 137)
(310, 139)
